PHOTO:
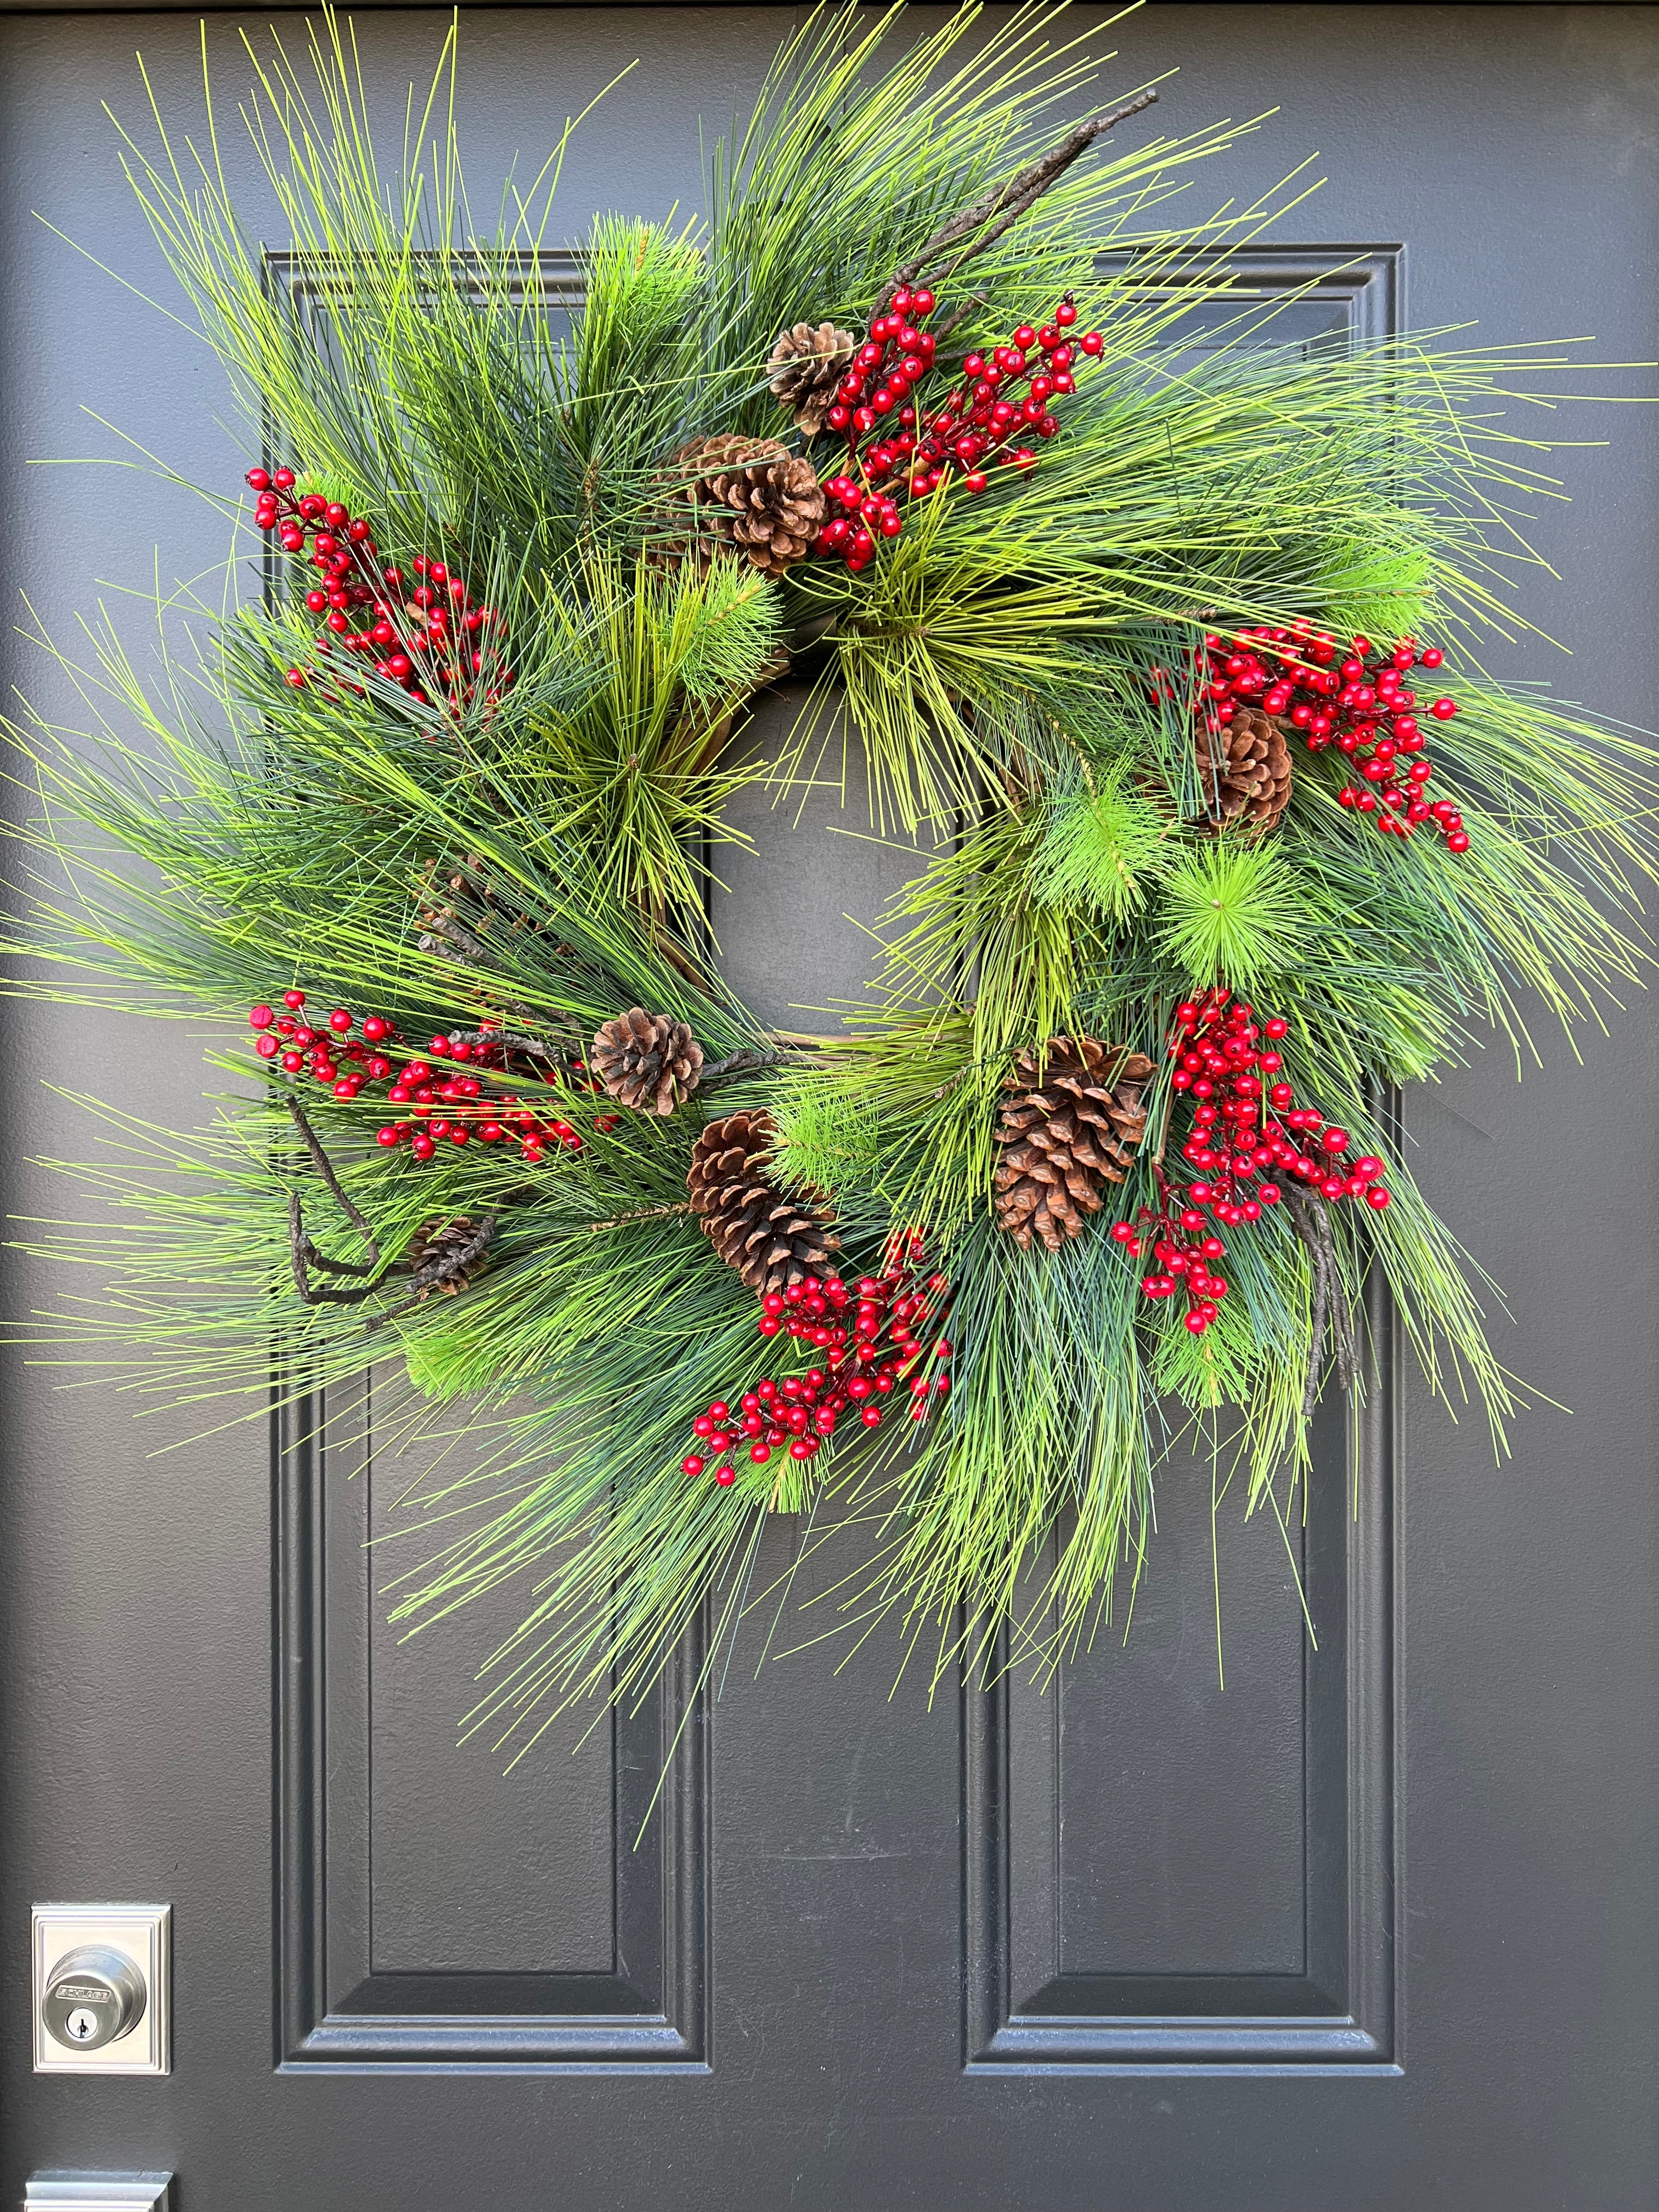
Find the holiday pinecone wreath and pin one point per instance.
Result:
(1123, 1135)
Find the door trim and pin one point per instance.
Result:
(331, 2009)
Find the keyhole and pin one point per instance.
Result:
(81, 2024)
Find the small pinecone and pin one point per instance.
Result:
(1074, 1123)
(751, 494)
(1244, 770)
(648, 1061)
(449, 1253)
(806, 366)
(771, 1238)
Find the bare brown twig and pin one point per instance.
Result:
(980, 226)
(1311, 1218)
(449, 1274)
(645, 1213)
(319, 1160)
(735, 1065)
(451, 1271)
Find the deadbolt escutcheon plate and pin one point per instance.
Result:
(99, 1983)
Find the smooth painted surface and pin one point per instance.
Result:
(1512, 150)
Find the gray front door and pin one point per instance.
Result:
(1373, 1929)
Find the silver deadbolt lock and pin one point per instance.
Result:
(94, 1995)
(101, 1989)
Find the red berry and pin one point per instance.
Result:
(1376, 1196)
(726, 1476)
(1458, 840)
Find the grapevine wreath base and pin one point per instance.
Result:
(1235, 854)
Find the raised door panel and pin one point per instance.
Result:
(1159, 1870)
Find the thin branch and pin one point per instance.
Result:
(943, 330)
(645, 1213)
(303, 1256)
(735, 1065)
(446, 930)
(439, 1272)
(1311, 1219)
(442, 1274)
(536, 1045)
(319, 1160)
(1004, 207)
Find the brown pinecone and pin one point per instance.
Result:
(1244, 769)
(446, 1255)
(750, 493)
(770, 1237)
(648, 1061)
(1074, 1123)
(806, 366)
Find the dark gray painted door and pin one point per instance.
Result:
(1373, 1929)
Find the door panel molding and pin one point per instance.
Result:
(648, 2008)
(1363, 285)
(1022, 2009)
(648, 2011)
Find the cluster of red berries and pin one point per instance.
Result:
(442, 1107)
(435, 641)
(889, 1343)
(1245, 1121)
(976, 424)
(1356, 700)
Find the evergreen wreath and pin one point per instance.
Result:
(1187, 659)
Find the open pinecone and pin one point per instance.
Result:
(446, 1255)
(1073, 1123)
(806, 366)
(752, 495)
(648, 1061)
(771, 1238)
(1243, 770)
